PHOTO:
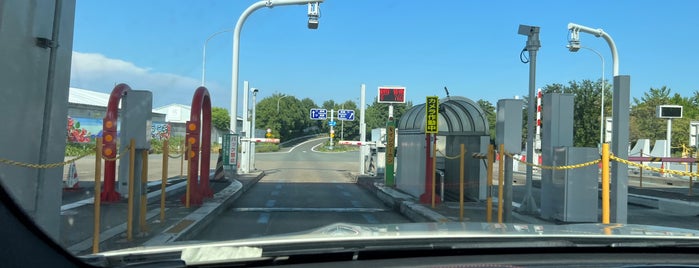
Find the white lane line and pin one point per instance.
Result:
(370, 218)
(264, 218)
(347, 194)
(278, 186)
(356, 203)
(270, 203)
(282, 209)
(296, 146)
(339, 186)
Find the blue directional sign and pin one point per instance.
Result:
(346, 115)
(332, 123)
(319, 114)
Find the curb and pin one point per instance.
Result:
(195, 222)
(400, 202)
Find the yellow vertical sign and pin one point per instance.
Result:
(431, 113)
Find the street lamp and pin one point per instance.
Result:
(574, 46)
(203, 61)
(620, 132)
(313, 14)
(280, 98)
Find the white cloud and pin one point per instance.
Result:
(96, 72)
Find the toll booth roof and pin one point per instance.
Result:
(457, 116)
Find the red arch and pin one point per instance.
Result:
(109, 194)
(200, 116)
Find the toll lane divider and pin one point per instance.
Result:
(192, 224)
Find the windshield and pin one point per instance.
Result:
(140, 124)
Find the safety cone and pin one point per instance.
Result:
(71, 183)
(218, 175)
(662, 167)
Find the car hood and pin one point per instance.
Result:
(340, 233)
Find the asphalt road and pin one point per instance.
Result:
(301, 190)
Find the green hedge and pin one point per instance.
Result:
(266, 147)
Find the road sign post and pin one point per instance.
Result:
(230, 150)
(318, 114)
(390, 95)
(431, 130)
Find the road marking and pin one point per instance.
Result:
(278, 186)
(356, 203)
(347, 194)
(340, 186)
(275, 193)
(264, 218)
(278, 209)
(370, 218)
(270, 203)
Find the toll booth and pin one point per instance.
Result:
(461, 120)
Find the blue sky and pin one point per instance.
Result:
(472, 47)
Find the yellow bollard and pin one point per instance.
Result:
(129, 216)
(166, 155)
(144, 193)
(489, 193)
(461, 183)
(189, 176)
(501, 178)
(605, 183)
(98, 192)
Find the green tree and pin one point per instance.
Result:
(489, 111)
(220, 118)
(287, 122)
(645, 124)
(377, 114)
(586, 113)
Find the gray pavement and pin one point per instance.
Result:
(77, 222)
(661, 206)
(301, 190)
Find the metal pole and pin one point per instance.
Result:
(461, 182)
(252, 132)
(188, 192)
(434, 167)
(163, 183)
(362, 130)
(489, 193)
(607, 37)
(236, 47)
(332, 131)
(533, 44)
(640, 177)
(668, 138)
(244, 154)
(98, 186)
(501, 181)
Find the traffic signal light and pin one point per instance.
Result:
(109, 148)
(192, 138)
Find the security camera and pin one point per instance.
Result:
(313, 15)
(254, 90)
(573, 45)
(312, 23)
(528, 30)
